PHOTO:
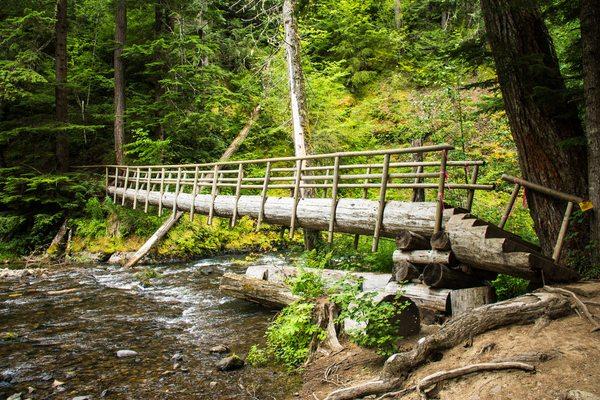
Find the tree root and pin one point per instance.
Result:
(577, 304)
(325, 314)
(520, 310)
(440, 376)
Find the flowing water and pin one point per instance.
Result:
(73, 336)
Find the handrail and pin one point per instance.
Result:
(404, 150)
(569, 198)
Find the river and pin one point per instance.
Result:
(63, 345)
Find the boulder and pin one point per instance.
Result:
(219, 349)
(230, 363)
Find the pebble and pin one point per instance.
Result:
(177, 357)
(126, 353)
(81, 398)
(57, 383)
(212, 384)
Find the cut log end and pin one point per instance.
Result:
(440, 241)
(440, 276)
(404, 271)
(407, 240)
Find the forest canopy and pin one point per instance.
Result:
(189, 73)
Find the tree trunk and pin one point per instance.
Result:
(120, 32)
(545, 126)
(398, 13)
(235, 143)
(590, 40)
(60, 93)
(298, 104)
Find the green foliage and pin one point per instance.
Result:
(378, 318)
(257, 357)
(290, 334)
(308, 285)
(508, 286)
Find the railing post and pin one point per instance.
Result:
(162, 190)
(297, 180)
(194, 194)
(382, 193)
(439, 211)
(471, 192)
(213, 194)
(148, 183)
(418, 193)
(334, 194)
(177, 187)
(116, 185)
(137, 187)
(261, 212)
(509, 206)
(563, 231)
(106, 180)
(364, 196)
(125, 186)
(238, 189)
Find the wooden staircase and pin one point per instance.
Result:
(485, 246)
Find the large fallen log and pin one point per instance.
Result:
(352, 215)
(269, 294)
(520, 310)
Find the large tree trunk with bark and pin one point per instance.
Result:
(590, 40)
(119, 100)
(62, 115)
(544, 124)
(299, 108)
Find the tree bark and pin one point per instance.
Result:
(590, 40)
(119, 100)
(235, 144)
(398, 13)
(61, 91)
(299, 108)
(544, 124)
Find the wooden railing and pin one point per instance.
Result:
(322, 175)
(569, 198)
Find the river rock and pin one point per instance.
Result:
(16, 396)
(81, 398)
(120, 257)
(177, 357)
(220, 348)
(212, 384)
(230, 363)
(580, 395)
(7, 274)
(126, 353)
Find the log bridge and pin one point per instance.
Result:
(439, 245)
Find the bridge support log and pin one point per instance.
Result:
(352, 215)
(440, 276)
(407, 240)
(424, 256)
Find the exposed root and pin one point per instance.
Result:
(577, 304)
(440, 376)
(469, 369)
